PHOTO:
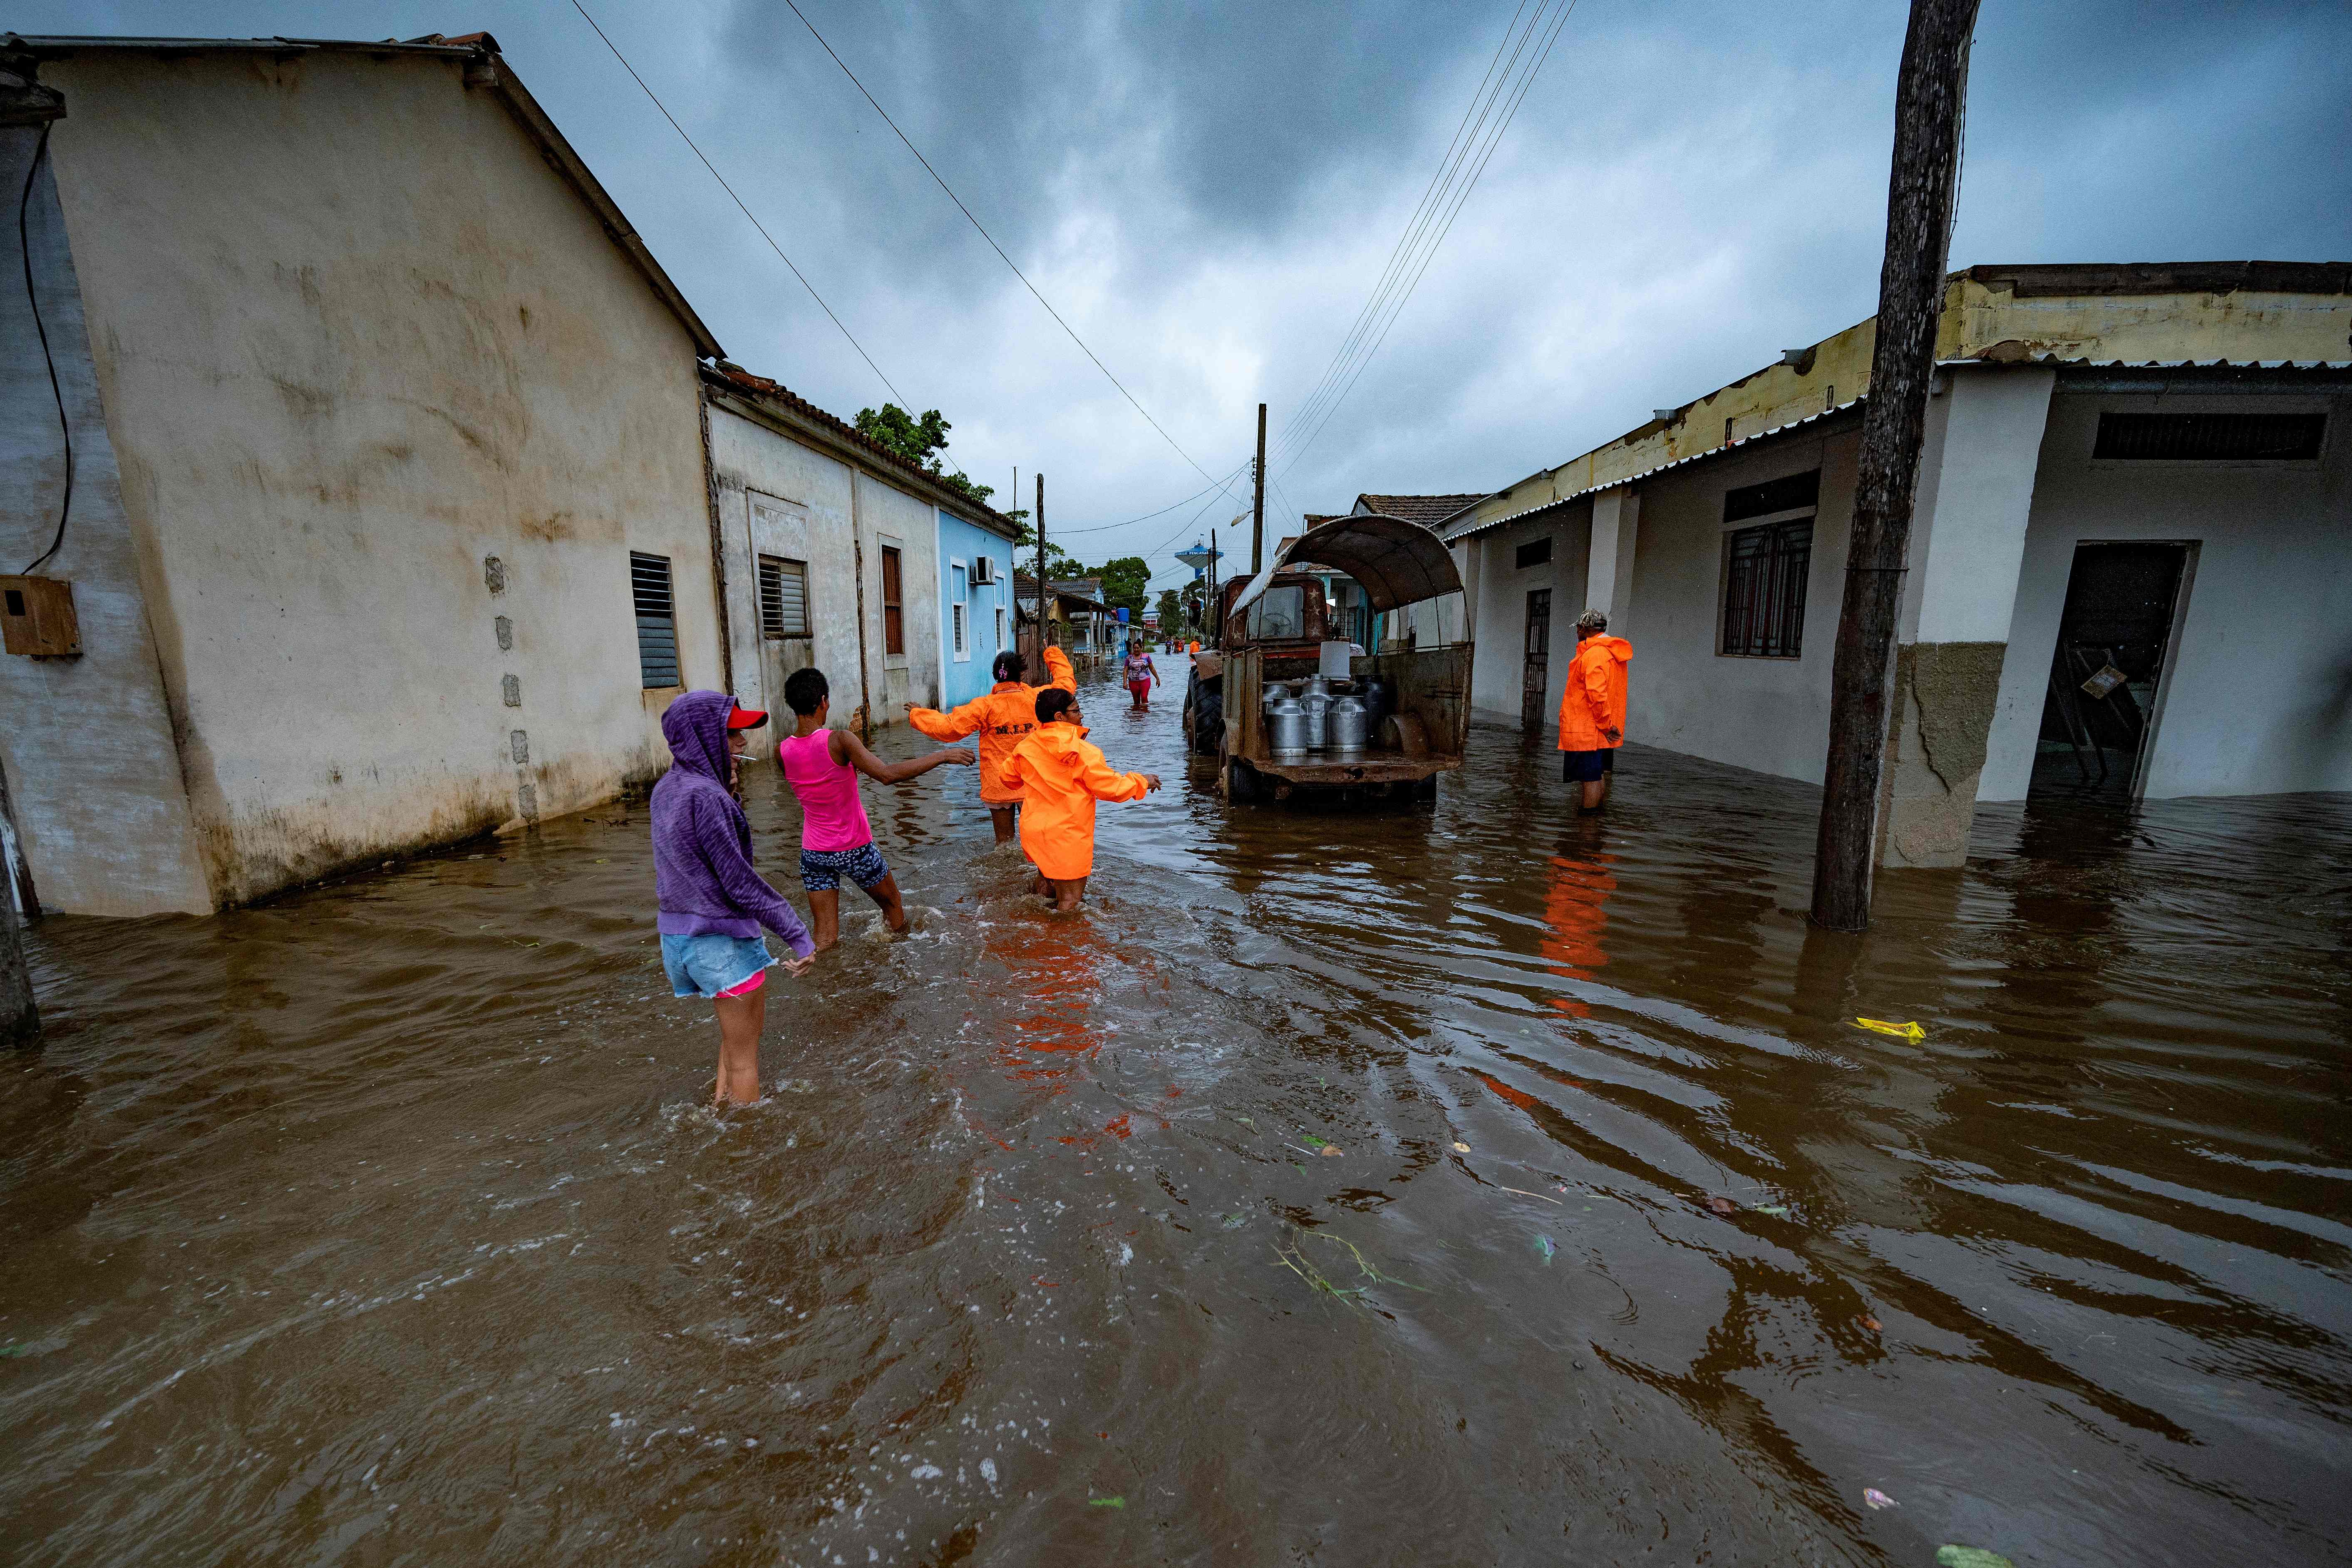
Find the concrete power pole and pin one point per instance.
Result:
(1930, 95)
(1258, 501)
(1041, 571)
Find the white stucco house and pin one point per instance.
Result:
(2131, 573)
(389, 520)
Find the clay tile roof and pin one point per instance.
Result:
(1427, 511)
(728, 374)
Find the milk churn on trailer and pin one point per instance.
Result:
(1318, 707)
(1285, 730)
(1350, 724)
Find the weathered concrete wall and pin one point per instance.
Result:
(961, 681)
(93, 772)
(1977, 470)
(889, 516)
(1770, 714)
(2259, 695)
(804, 515)
(355, 335)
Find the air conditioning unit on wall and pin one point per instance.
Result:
(983, 570)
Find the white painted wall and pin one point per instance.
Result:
(747, 456)
(1500, 663)
(1978, 468)
(353, 334)
(93, 773)
(1768, 714)
(886, 515)
(2259, 698)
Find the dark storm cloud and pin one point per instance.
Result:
(1207, 193)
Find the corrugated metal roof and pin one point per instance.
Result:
(2045, 361)
(1576, 496)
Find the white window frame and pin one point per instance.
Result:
(1000, 644)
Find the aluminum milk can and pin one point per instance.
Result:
(1350, 724)
(1285, 729)
(1318, 707)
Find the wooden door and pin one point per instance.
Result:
(1535, 672)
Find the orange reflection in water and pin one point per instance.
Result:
(1576, 908)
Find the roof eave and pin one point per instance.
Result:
(485, 66)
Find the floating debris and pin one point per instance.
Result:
(1544, 1248)
(1460, 1147)
(1969, 1557)
(1873, 1324)
(1106, 1502)
(1294, 1258)
(1722, 1206)
(1900, 1031)
(1877, 1499)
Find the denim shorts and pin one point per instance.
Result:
(823, 869)
(708, 963)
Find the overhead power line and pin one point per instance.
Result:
(903, 399)
(1008, 261)
(1458, 175)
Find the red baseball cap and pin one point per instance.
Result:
(746, 718)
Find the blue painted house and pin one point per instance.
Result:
(975, 605)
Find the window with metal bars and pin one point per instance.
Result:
(2211, 438)
(783, 597)
(656, 620)
(893, 613)
(1764, 589)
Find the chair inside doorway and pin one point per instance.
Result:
(2113, 637)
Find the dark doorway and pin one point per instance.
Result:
(2113, 638)
(1536, 673)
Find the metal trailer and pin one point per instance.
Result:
(1397, 563)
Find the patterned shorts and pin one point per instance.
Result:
(823, 869)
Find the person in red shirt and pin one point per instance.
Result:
(1593, 709)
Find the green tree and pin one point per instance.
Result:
(919, 442)
(1125, 581)
(1171, 611)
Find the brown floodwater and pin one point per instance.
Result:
(1468, 1185)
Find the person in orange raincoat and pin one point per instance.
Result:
(1064, 775)
(1593, 709)
(1002, 719)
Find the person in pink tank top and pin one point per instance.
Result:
(822, 764)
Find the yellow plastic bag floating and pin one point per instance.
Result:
(1900, 1031)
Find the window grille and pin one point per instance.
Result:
(893, 613)
(962, 643)
(783, 597)
(2211, 438)
(1764, 589)
(1534, 552)
(656, 620)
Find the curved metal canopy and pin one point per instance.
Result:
(1398, 562)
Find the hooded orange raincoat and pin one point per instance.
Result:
(1594, 701)
(1065, 775)
(1002, 719)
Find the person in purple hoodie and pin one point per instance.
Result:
(712, 903)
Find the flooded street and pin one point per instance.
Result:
(1482, 1186)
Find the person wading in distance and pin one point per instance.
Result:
(711, 902)
(1593, 709)
(1063, 776)
(822, 764)
(1002, 719)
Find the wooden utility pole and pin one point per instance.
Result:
(1216, 626)
(1258, 501)
(1928, 97)
(1041, 571)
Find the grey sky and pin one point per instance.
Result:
(1207, 193)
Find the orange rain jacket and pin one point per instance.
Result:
(1595, 698)
(1065, 775)
(1003, 719)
